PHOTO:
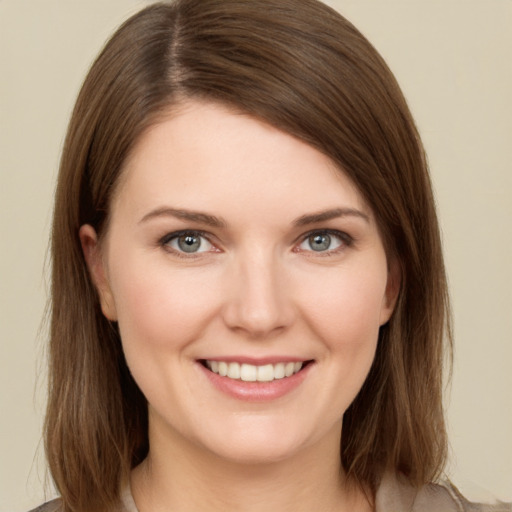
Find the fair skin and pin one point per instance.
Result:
(234, 247)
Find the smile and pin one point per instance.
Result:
(252, 373)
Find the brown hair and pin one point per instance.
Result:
(303, 68)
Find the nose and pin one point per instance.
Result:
(260, 302)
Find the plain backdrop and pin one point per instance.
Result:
(453, 59)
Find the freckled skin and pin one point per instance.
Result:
(257, 289)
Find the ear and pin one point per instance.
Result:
(96, 266)
(392, 290)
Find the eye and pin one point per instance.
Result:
(189, 242)
(325, 241)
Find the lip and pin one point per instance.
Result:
(257, 391)
(257, 361)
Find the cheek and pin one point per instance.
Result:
(346, 307)
(348, 320)
(161, 313)
(160, 308)
(344, 314)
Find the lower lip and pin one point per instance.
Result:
(256, 391)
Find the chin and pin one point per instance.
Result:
(245, 452)
(257, 441)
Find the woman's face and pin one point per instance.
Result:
(235, 248)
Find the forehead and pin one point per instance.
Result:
(214, 157)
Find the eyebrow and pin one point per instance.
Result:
(325, 215)
(190, 215)
(216, 222)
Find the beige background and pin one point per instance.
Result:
(453, 59)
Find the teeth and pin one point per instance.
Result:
(234, 371)
(265, 373)
(279, 371)
(248, 372)
(252, 373)
(223, 369)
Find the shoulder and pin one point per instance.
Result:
(396, 495)
(445, 494)
(50, 506)
(126, 503)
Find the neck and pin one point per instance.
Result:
(179, 476)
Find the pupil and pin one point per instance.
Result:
(189, 243)
(320, 242)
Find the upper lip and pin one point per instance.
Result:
(257, 361)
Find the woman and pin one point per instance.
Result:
(248, 296)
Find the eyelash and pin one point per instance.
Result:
(345, 239)
(168, 238)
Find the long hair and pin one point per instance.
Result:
(301, 67)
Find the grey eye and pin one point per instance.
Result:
(189, 243)
(323, 242)
(319, 242)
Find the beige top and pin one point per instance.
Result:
(392, 496)
(395, 496)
